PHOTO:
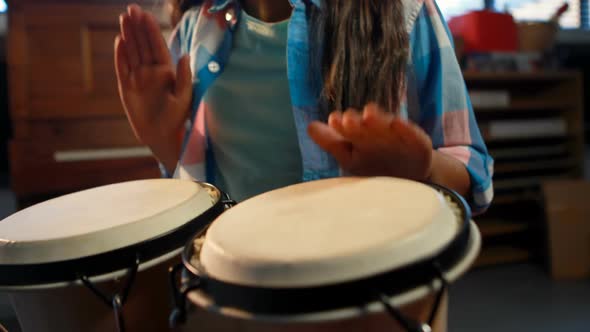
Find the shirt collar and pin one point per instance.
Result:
(314, 2)
(219, 5)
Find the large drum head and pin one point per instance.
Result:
(96, 231)
(318, 235)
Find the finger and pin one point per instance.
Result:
(156, 41)
(182, 89)
(121, 62)
(130, 42)
(376, 119)
(141, 34)
(352, 126)
(332, 142)
(335, 120)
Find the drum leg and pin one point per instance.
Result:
(73, 308)
(116, 301)
(179, 294)
(408, 324)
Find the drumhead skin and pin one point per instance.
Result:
(326, 232)
(106, 219)
(203, 300)
(338, 244)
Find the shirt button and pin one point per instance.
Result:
(229, 15)
(213, 67)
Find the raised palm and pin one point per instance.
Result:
(155, 95)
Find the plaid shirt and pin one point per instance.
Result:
(436, 97)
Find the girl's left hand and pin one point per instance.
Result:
(375, 143)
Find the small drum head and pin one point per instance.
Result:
(99, 230)
(306, 242)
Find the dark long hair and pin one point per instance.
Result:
(364, 51)
(177, 7)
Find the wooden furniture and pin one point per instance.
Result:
(534, 135)
(568, 229)
(70, 131)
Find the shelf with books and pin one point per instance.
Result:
(532, 125)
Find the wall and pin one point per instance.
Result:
(5, 130)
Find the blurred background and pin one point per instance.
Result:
(525, 63)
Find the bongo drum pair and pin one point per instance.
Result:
(345, 254)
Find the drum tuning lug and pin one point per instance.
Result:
(227, 201)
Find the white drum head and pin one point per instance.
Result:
(326, 232)
(100, 220)
(326, 235)
(205, 301)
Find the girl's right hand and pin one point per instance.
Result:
(155, 95)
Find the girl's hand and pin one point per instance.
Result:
(156, 97)
(375, 143)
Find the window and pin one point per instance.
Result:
(525, 10)
(542, 10)
(451, 8)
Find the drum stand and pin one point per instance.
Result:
(115, 301)
(409, 324)
(178, 315)
(179, 293)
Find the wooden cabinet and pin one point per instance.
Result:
(64, 99)
(533, 127)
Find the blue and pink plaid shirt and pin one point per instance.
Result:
(436, 97)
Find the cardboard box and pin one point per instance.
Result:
(567, 207)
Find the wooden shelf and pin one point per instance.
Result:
(534, 135)
(529, 151)
(515, 77)
(525, 182)
(516, 198)
(490, 139)
(511, 167)
(499, 130)
(526, 105)
(495, 227)
(501, 255)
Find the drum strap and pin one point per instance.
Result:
(117, 300)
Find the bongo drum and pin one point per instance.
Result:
(97, 260)
(344, 254)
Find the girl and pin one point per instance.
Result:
(281, 91)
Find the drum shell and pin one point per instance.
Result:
(75, 308)
(204, 321)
